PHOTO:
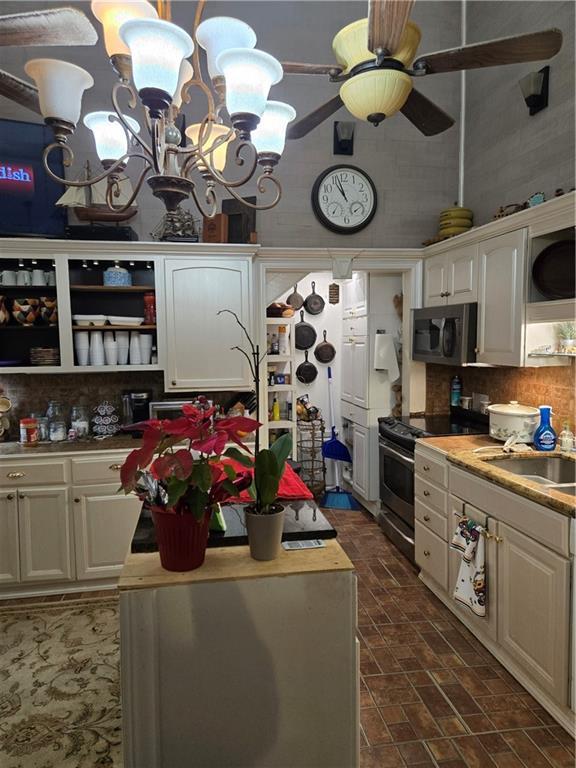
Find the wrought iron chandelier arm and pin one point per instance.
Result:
(68, 159)
(239, 161)
(210, 197)
(114, 190)
(262, 189)
(132, 101)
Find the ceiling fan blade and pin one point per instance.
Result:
(386, 22)
(299, 68)
(59, 26)
(425, 115)
(19, 91)
(535, 46)
(300, 128)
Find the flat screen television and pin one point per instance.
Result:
(27, 194)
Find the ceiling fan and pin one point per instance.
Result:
(57, 26)
(375, 64)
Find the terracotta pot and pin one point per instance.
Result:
(181, 539)
(265, 533)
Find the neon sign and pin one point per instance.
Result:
(16, 178)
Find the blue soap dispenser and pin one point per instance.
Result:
(545, 437)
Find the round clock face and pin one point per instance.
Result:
(344, 199)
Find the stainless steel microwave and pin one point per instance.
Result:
(445, 335)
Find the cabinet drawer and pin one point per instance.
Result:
(104, 469)
(355, 326)
(431, 554)
(21, 473)
(431, 495)
(431, 519)
(354, 413)
(431, 469)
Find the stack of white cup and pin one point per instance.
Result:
(145, 348)
(96, 348)
(123, 342)
(135, 348)
(110, 348)
(81, 345)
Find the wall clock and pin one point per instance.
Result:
(344, 199)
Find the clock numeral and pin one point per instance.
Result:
(324, 198)
(364, 197)
(361, 187)
(327, 187)
(346, 219)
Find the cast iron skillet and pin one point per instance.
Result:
(295, 300)
(325, 352)
(305, 334)
(313, 303)
(306, 371)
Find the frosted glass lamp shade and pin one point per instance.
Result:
(110, 137)
(157, 48)
(376, 94)
(218, 157)
(186, 74)
(221, 33)
(270, 135)
(113, 13)
(249, 76)
(60, 87)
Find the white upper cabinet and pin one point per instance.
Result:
(198, 340)
(451, 278)
(355, 295)
(501, 299)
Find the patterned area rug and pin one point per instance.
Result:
(60, 685)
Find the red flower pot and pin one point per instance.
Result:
(181, 539)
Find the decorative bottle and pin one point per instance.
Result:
(545, 436)
(566, 438)
(455, 390)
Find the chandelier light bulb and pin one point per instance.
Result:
(249, 76)
(218, 157)
(221, 33)
(270, 134)
(109, 134)
(186, 74)
(157, 48)
(60, 88)
(112, 14)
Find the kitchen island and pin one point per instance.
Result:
(240, 662)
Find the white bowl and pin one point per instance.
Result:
(89, 319)
(120, 320)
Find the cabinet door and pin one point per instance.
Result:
(348, 298)
(462, 267)
(361, 359)
(533, 610)
(435, 281)
(199, 341)
(500, 299)
(347, 380)
(360, 467)
(360, 282)
(9, 554)
(104, 524)
(45, 535)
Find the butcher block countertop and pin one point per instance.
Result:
(459, 450)
(143, 571)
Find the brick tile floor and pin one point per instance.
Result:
(431, 695)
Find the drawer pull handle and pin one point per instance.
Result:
(115, 467)
(426, 553)
(21, 496)
(426, 518)
(426, 468)
(497, 539)
(10, 496)
(15, 475)
(426, 493)
(173, 383)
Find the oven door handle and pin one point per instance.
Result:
(395, 455)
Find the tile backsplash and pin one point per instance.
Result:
(531, 386)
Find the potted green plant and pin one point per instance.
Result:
(183, 485)
(567, 335)
(265, 516)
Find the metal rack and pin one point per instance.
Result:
(310, 440)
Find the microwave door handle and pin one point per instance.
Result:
(443, 337)
(395, 455)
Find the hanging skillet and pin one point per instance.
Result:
(295, 300)
(306, 371)
(305, 334)
(325, 352)
(314, 303)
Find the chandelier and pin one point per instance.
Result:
(151, 58)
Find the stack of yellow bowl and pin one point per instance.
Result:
(454, 221)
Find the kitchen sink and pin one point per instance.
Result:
(547, 470)
(568, 489)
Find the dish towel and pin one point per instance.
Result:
(470, 586)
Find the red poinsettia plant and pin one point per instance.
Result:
(191, 479)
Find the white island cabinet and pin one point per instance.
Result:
(240, 662)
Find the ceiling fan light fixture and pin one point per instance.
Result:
(157, 49)
(270, 135)
(376, 94)
(60, 88)
(350, 45)
(220, 33)
(217, 157)
(110, 136)
(113, 13)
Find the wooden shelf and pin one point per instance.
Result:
(112, 288)
(278, 358)
(33, 327)
(113, 327)
(280, 320)
(282, 388)
(281, 424)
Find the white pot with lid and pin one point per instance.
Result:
(508, 419)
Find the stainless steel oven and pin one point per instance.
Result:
(445, 334)
(397, 494)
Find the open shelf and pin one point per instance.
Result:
(29, 327)
(113, 327)
(552, 354)
(112, 288)
(278, 358)
(281, 424)
(279, 320)
(281, 388)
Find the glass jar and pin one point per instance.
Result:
(43, 434)
(150, 308)
(79, 421)
(57, 431)
(54, 412)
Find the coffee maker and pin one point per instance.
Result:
(135, 408)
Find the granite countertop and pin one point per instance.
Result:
(114, 443)
(459, 450)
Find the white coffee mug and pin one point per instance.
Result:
(38, 277)
(23, 277)
(8, 277)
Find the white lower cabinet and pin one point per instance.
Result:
(45, 534)
(9, 540)
(104, 524)
(534, 610)
(361, 466)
